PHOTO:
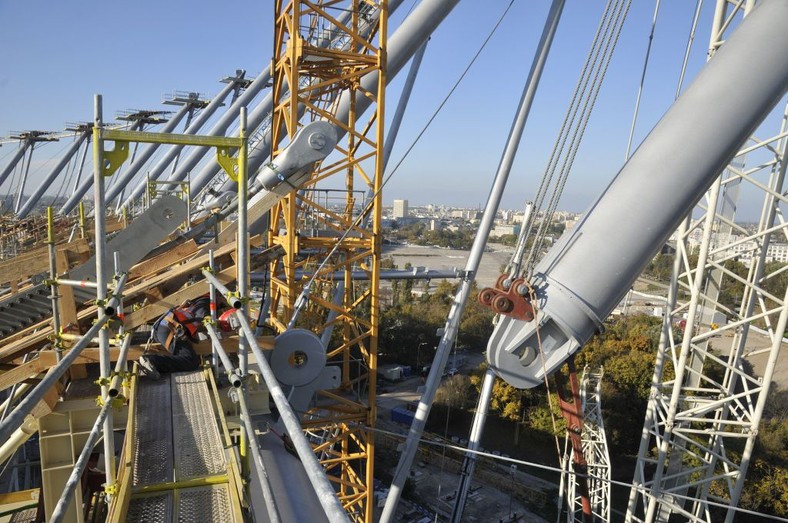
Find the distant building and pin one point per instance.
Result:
(501, 230)
(400, 209)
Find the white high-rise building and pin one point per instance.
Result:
(400, 209)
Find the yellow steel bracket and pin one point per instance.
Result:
(116, 403)
(152, 190)
(208, 270)
(111, 490)
(103, 381)
(228, 163)
(114, 159)
(244, 299)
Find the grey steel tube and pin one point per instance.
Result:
(212, 167)
(220, 127)
(17, 416)
(114, 386)
(474, 258)
(224, 122)
(175, 150)
(212, 298)
(135, 166)
(76, 283)
(235, 379)
(41, 189)
(111, 308)
(100, 246)
(234, 301)
(242, 240)
(418, 273)
(14, 160)
(317, 475)
(587, 273)
(79, 467)
(474, 442)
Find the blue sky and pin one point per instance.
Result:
(55, 55)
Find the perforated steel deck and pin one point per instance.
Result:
(177, 439)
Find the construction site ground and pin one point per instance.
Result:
(498, 492)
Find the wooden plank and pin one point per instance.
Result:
(22, 372)
(166, 260)
(47, 404)
(230, 344)
(28, 264)
(7, 498)
(67, 306)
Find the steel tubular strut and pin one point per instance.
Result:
(572, 411)
(509, 297)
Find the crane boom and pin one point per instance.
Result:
(587, 273)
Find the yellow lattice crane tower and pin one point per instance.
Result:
(330, 65)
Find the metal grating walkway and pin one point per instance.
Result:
(177, 443)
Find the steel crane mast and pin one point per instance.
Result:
(307, 225)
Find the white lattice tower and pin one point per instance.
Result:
(704, 406)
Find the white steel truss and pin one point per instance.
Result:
(595, 451)
(705, 408)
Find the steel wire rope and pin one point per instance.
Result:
(577, 136)
(550, 468)
(642, 80)
(6, 155)
(57, 154)
(578, 132)
(12, 179)
(534, 301)
(71, 169)
(301, 300)
(546, 178)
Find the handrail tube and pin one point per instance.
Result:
(234, 301)
(242, 238)
(114, 386)
(100, 248)
(111, 308)
(76, 283)
(24, 408)
(317, 475)
(79, 467)
(235, 379)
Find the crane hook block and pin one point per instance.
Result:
(509, 297)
